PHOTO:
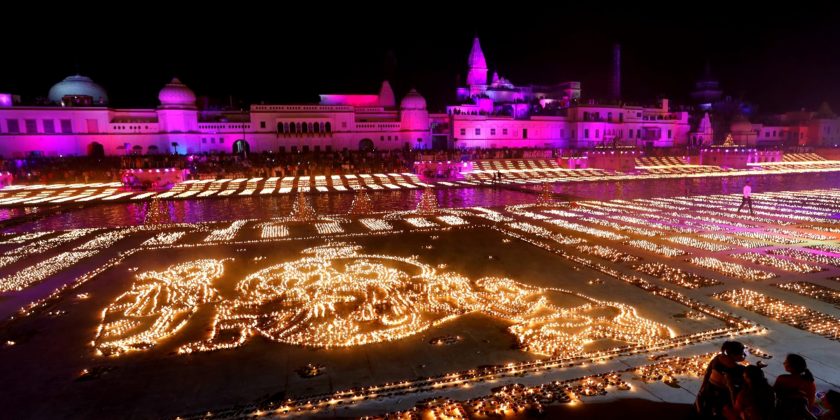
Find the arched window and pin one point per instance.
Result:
(316, 127)
(303, 128)
(327, 127)
(280, 128)
(292, 128)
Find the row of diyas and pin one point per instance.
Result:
(797, 316)
(812, 290)
(506, 400)
(607, 253)
(677, 276)
(778, 263)
(731, 269)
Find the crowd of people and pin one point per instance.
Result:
(732, 389)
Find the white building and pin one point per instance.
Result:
(79, 122)
(497, 113)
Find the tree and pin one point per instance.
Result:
(303, 210)
(362, 203)
(157, 213)
(546, 197)
(428, 202)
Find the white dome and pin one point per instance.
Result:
(78, 85)
(413, 100)
(176, 94)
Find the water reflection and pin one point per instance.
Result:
(629, 190)
(257, 207)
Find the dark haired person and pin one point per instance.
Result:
(722, 381)
(796, 389)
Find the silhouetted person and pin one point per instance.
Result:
(722, 381)
(756, 399)
(746, 198)
(831, 401)
(796, 389)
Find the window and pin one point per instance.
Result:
(222, 140)
(92, 125)
(13, 126)
(639, 133)
(304, 128)
(262, 124)
(292, 128)
(316, 127)
(213, 140)
(630, 132)
(504, 131)
(586, 133)
(492, 131)
(327, 127)
(524, 133)
(609, 116)
(766, 134)
(477, 131)
(463, 131)
(562, 132)
(31, 126)
(669, 134)
(281, 128)
(49, 126)
(204, 140)
(381, 138)
(597, 133)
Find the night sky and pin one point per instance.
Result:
(779, 59)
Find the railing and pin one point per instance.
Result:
(379, 126)
(225, 126)
(315, 108)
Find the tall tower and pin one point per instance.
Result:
(477, 74)
(615, 86)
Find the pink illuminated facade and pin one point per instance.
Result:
(490, 112)
(497, 113)
(177, 126)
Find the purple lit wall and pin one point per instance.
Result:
(350, 100)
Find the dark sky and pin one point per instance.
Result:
(777, 58)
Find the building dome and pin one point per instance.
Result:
(78, 85)
(176, 95)
(740, 124)
(413, 100)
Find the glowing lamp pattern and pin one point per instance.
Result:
(337, 296)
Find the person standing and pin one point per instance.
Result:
(746, 198)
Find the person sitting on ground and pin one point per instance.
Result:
(756, 400)
(795, 390)
(831, 401)
(722, 380)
